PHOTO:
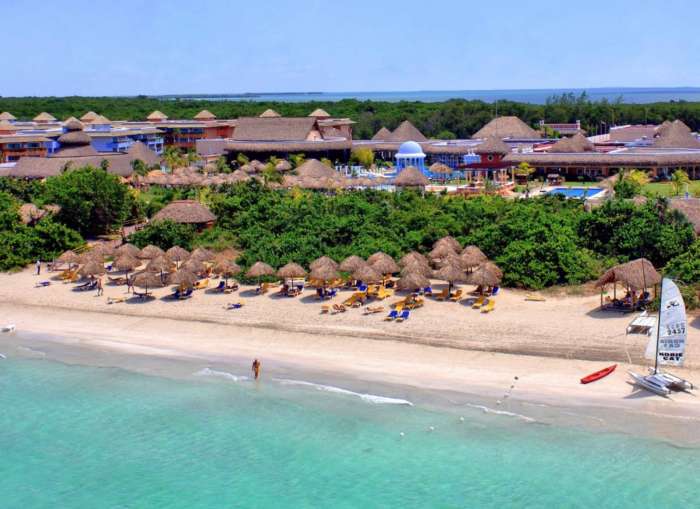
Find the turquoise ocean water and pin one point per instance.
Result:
(101, 437)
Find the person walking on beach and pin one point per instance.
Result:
(38, 267)
(100, 290)
(256, 368)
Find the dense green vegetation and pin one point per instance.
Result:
(455, 118)
(537, 242)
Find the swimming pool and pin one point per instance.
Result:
(576, 192)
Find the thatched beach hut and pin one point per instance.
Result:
(186, 212)
(637, 275)
(411, 177)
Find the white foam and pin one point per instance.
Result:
(31, 351)
(369, 398)
(3, 356)
(488, 410)
(221, 374)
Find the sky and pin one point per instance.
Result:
(129, 47)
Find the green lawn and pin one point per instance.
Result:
(666, 189)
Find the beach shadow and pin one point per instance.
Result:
(696, 322)
(252, 293)
(612, 313)
(638, 393)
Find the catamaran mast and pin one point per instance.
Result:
(658, 330)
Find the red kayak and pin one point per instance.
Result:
(598, 374)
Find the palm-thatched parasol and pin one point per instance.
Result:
(323, 260)
(177, 254)
(324, 273)
(225, 268)
(411, 177)
(486, 274)
(89, 256)
(103, 248)
(193, 265)
(413, 256)
(450, 259)
(260, 269)
(367, 274)
(201, 254)
(352, 263)
(441, 251)
(472, 256)
(441, 169)
(183, 278)
(638, 274)
(415, 267)
(229, 253)
(69, 257)
(412, 282)
(160, 264)
(291, 271)
(283, 165)
(449, 241)
(450, 273)
(385, 265)
(129, 249)
(92, 268)
(146, 279)
(126, 263)
(149, 252)
(378, 255)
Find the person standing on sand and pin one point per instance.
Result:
(256, 368)
(100, 290)
(38, 267)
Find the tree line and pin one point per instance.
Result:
(456, 118)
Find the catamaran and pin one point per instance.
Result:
(667, 346)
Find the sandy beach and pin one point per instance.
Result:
(443, 346)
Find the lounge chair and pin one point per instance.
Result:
(221, 287)
(490, 305)
(383, 293)
(41, 284)
(202, 284)
(393, 314)
(142, 295)
(338, 308)
(115, 300)
(444, 294)
(427, 290)
(403, 316)
(414, 303)
(234, 305)
(232, 287)
(186, 294)
(456, 296)
(331, 293)
(479, 302)
(495, 290)
(325, 309)
(362, 287)
(90, 285)
(116, 280)
(370, 310)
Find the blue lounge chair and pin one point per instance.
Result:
(392, 315)
(495, 290)
(403, 316)
(186, 294)
(221, 287)
(362, 287)
(427, 290)
(331, 293)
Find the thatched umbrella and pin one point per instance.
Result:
(229, 253)
(283, 165)
(450, 259)
(367, 274)
(146, 280)
(183, 278)
(193, 265)
(69, 257)
(291, 271)
(177, 254)
(440, 169)
(415, 267)
(486, 274)
(472, 256)
(92, 268)
(104, 249)
(352, 263)
(413, 256)
(225, 268)
(149, 252)
(89, 256)
(378, 255)
(412, 282)
(201, 254)
(450, 273)
(411, 177)
(126, 263)
(323, 260)
(259, 270)
(449, 241)
(325, 273)
(129, 249)
(442, 251)
(385, 265)
(638, 274)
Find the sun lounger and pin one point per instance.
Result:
(383, 293)
(142, 296)
(41, 284)
(479, 302)
(115, 300)
(90, 285)
(116, 280)
(444, 294)
(221, 287)
(427, 290)
(234, 305)
(338, 308)
(231, 287)
(202, 284)
(393, 314)
(325, 309)
(361, 287)
(490, 305)
(534, 298)
(495, 290)
(370, 310)
(403, 316)
(414, 303)
(456, 296)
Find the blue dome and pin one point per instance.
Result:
(410, 148)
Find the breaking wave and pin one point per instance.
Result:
(488, 410)
(369, 398)
(221, 374)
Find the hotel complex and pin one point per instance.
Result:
(44, 146)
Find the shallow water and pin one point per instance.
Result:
(77, 436)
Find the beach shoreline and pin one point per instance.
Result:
(546, 386)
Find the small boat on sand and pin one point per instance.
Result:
(598, 374)
(7, 328)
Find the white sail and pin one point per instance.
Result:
(672, 325)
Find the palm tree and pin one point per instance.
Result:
(679, 180)
(139, 167)
(173, 158)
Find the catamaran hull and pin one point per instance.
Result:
(674, 382)
(651, 384)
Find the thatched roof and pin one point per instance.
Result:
(6, 115)
(637, 274)
(689, 207)
(414, 266)
(146, 279)
(323, 260)
(677, 136)
(204, 115)
(506, 127)
(352, 263)
(193, 265)
(577, 143)
(6, 126)
(226, 268)
(666, 125)
(269, 113)
(486, 274)
(618, 159)
(382, 135)
(413, 281)
(129, 249)
(88, 116)
(442, 250)
(385, 265)
(283, 165)
(177, 254)
(182, 277)
(260, 269)
(411, 177)
(413, 256)
(68, 257)
(92, 268)
(291, 271)
(273, 129)
(185, 212)
(406, 131)
(160, 264)
(319, 113)
(89, 256)
(139, 150)
(449, 241)
(450, 273)
(157, 115)
(367, 274)
(126, 262)
(287, 146)
(378, 256)
(149, 252)
(30, 213)
(202, 254)
(492, 145)
(472, 256)
(440, 168)
(101, 120)
(316, 169)
(44, 117)
(324, 273)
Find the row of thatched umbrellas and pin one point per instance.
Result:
(447, 262)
